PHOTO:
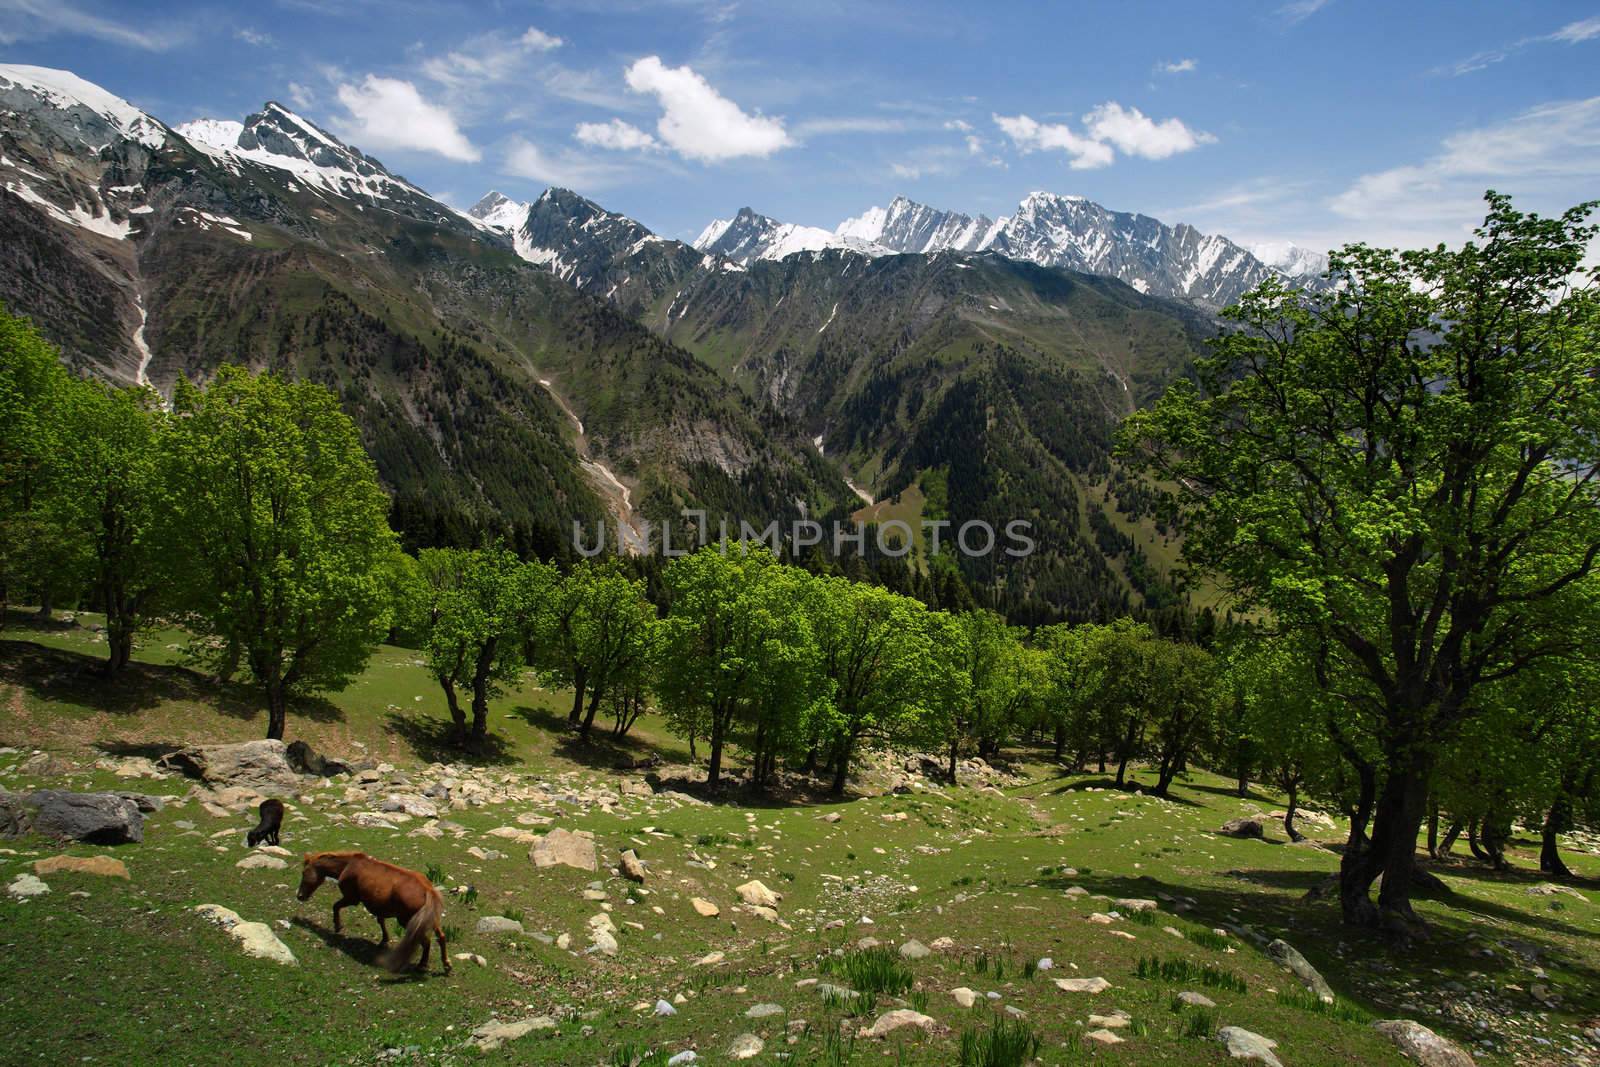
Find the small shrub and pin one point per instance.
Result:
(631, 1055)
(1208, 939)
(1141, 918)
(514, 914)
(435, 874)
(919, 1000)
(1030, 968)
(1175, 969)
(470, 897)
(1342, 1010)
(1008, 1043)
(872, 970)
(452, 933)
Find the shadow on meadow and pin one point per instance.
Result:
(429, 738)
(1073, 782)
(77, 679)
(604, 751)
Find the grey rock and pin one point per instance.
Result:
(1245, 826)
(1243, 1044)
(1422, 1045)
(1196, 1000)
(915, 950)
(1289, 957)
(261, 765)
(498, 924)
(94, 818)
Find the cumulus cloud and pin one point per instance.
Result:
(1032, 136)
(700, 123)
(1107, 130)
(540, 41)
(386, 113)
(616, 134)
(1135, 134)
(1181, 66)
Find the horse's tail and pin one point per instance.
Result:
(417, 930)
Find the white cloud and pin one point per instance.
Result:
(1032, 136)
(959, 124)
(255, 37)
(32, 20)
(1546, 157)
(700, 123)
(1572, 33)
(386, 113)
(569, 170)
(301, 96)
(540, 41)
(616, 134)
(1181, 66)
(487, 59)
(824, 125)
(1135, 134)
(1107, 129)
(1300, 10)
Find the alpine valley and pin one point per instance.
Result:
(523, 365)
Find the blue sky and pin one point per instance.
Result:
(1316, 121)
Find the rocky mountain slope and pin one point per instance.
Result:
(492, 395)
(1048, 229)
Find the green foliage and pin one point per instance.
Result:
(1343, 1010)
(1177, 969)
(872, 971)
(1006, 1043)
(276, 534)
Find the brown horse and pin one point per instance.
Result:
(389, 892)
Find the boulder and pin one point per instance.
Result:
(915, 950)
(305, 760)
(1416, 1042)
(261, 765)
(261, 861)
(16, 817)
(705, 908)
(1134, 904)
(631, 866)
(1196, 1000)
(1242, 1044)
(758, 895)
(104, 866)
(1244, 826)
(491, 1035)
(255, 939)
(95, 818)
(891, 1021)
(26, 885)
(1082, 985)
(417, 807)
(1289, 957)
(498, 924)
(964, 996)
(745, 1047)
(763, 1011)
(1103, 1036)
(566, 848)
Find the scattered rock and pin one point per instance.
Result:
(1115, 1021)
(491, 1035)
(261, 861)
(1245, 826)
(1134, 904)
(94, 818)
(498, 924)
(1196, 1000)
(1418, 1043)
(262, 765)
(682, 1059)
(255, 939)
(631, 867)
(891, 1021)
(1104, 1037)
(832, 816)
(705, 908)
(26, 885)
(758, 895)
(104, 866)
(745, 1046)
(763, 1011)
(565, 847)
(664, 1007)
(1287, 955)
(964, 996)
(305, 760)
(1242, 1044)
(1082, 985)
(915, 950)
(411, 804)
(709, 959)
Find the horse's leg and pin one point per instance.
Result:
(444, 956)
(346, 901)
(383, 928)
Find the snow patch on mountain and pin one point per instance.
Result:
(1290, 259)
(65, 91)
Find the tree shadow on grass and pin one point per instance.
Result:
(1110, 785)
(431, 740)
(1230, 792)
(604, 751)
(60, 676)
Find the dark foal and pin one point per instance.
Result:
(271, 822)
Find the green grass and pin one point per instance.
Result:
(138, 975)
(1006, 1043)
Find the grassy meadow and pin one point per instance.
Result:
(102, 970)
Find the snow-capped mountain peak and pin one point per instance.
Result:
(278, 138)
(1290, 259)
(92, 115)
(500, 212)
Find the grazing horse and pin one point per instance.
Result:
(271, 823)
(389, 892)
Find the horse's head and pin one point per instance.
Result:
(310, 878)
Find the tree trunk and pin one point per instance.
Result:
(1472, 842)
(954, 748)
(1288, 814)
(277, 710)
(579, 678)
(1244, 781)
(1450, 836)
(1122, 770)
(1394, 843)
(1169, 771)
(458, 718)
(480, 689)
(841, 767)
(1433, 826)
(714, 768)
(588, 718)
(1060, 742)
(1556, 821)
